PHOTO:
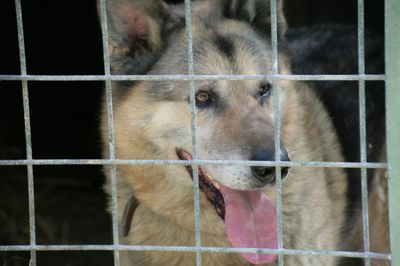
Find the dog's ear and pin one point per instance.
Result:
(257, 13)
(136, 33)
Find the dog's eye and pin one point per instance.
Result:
(265, 89)
(203, 99)
(264, 92)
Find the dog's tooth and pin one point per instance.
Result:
(210, 177)
(216, 185)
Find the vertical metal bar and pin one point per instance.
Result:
(392, 55)
(31, 188)
(21, 39)
(277, 121)
(197, 217)
(111, 138)
(277, 129)
(363, 138)
(274, 37)
(27, 125)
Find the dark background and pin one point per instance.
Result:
(63, 37)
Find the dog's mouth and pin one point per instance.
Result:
(207, 184)
(249, 215)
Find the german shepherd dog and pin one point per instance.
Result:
(234, 120)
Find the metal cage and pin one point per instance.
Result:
(391, 79)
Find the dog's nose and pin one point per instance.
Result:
(266, 174)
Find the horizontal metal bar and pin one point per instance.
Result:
(191, 162)
(190, 77)
(194, 249)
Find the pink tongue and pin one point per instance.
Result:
(250, 222)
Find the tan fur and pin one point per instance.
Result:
(378, 216)
(151, 125)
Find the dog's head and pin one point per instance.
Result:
(234, 119)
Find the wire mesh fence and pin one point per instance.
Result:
(391, 79)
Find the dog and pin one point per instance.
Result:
(234, 121)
